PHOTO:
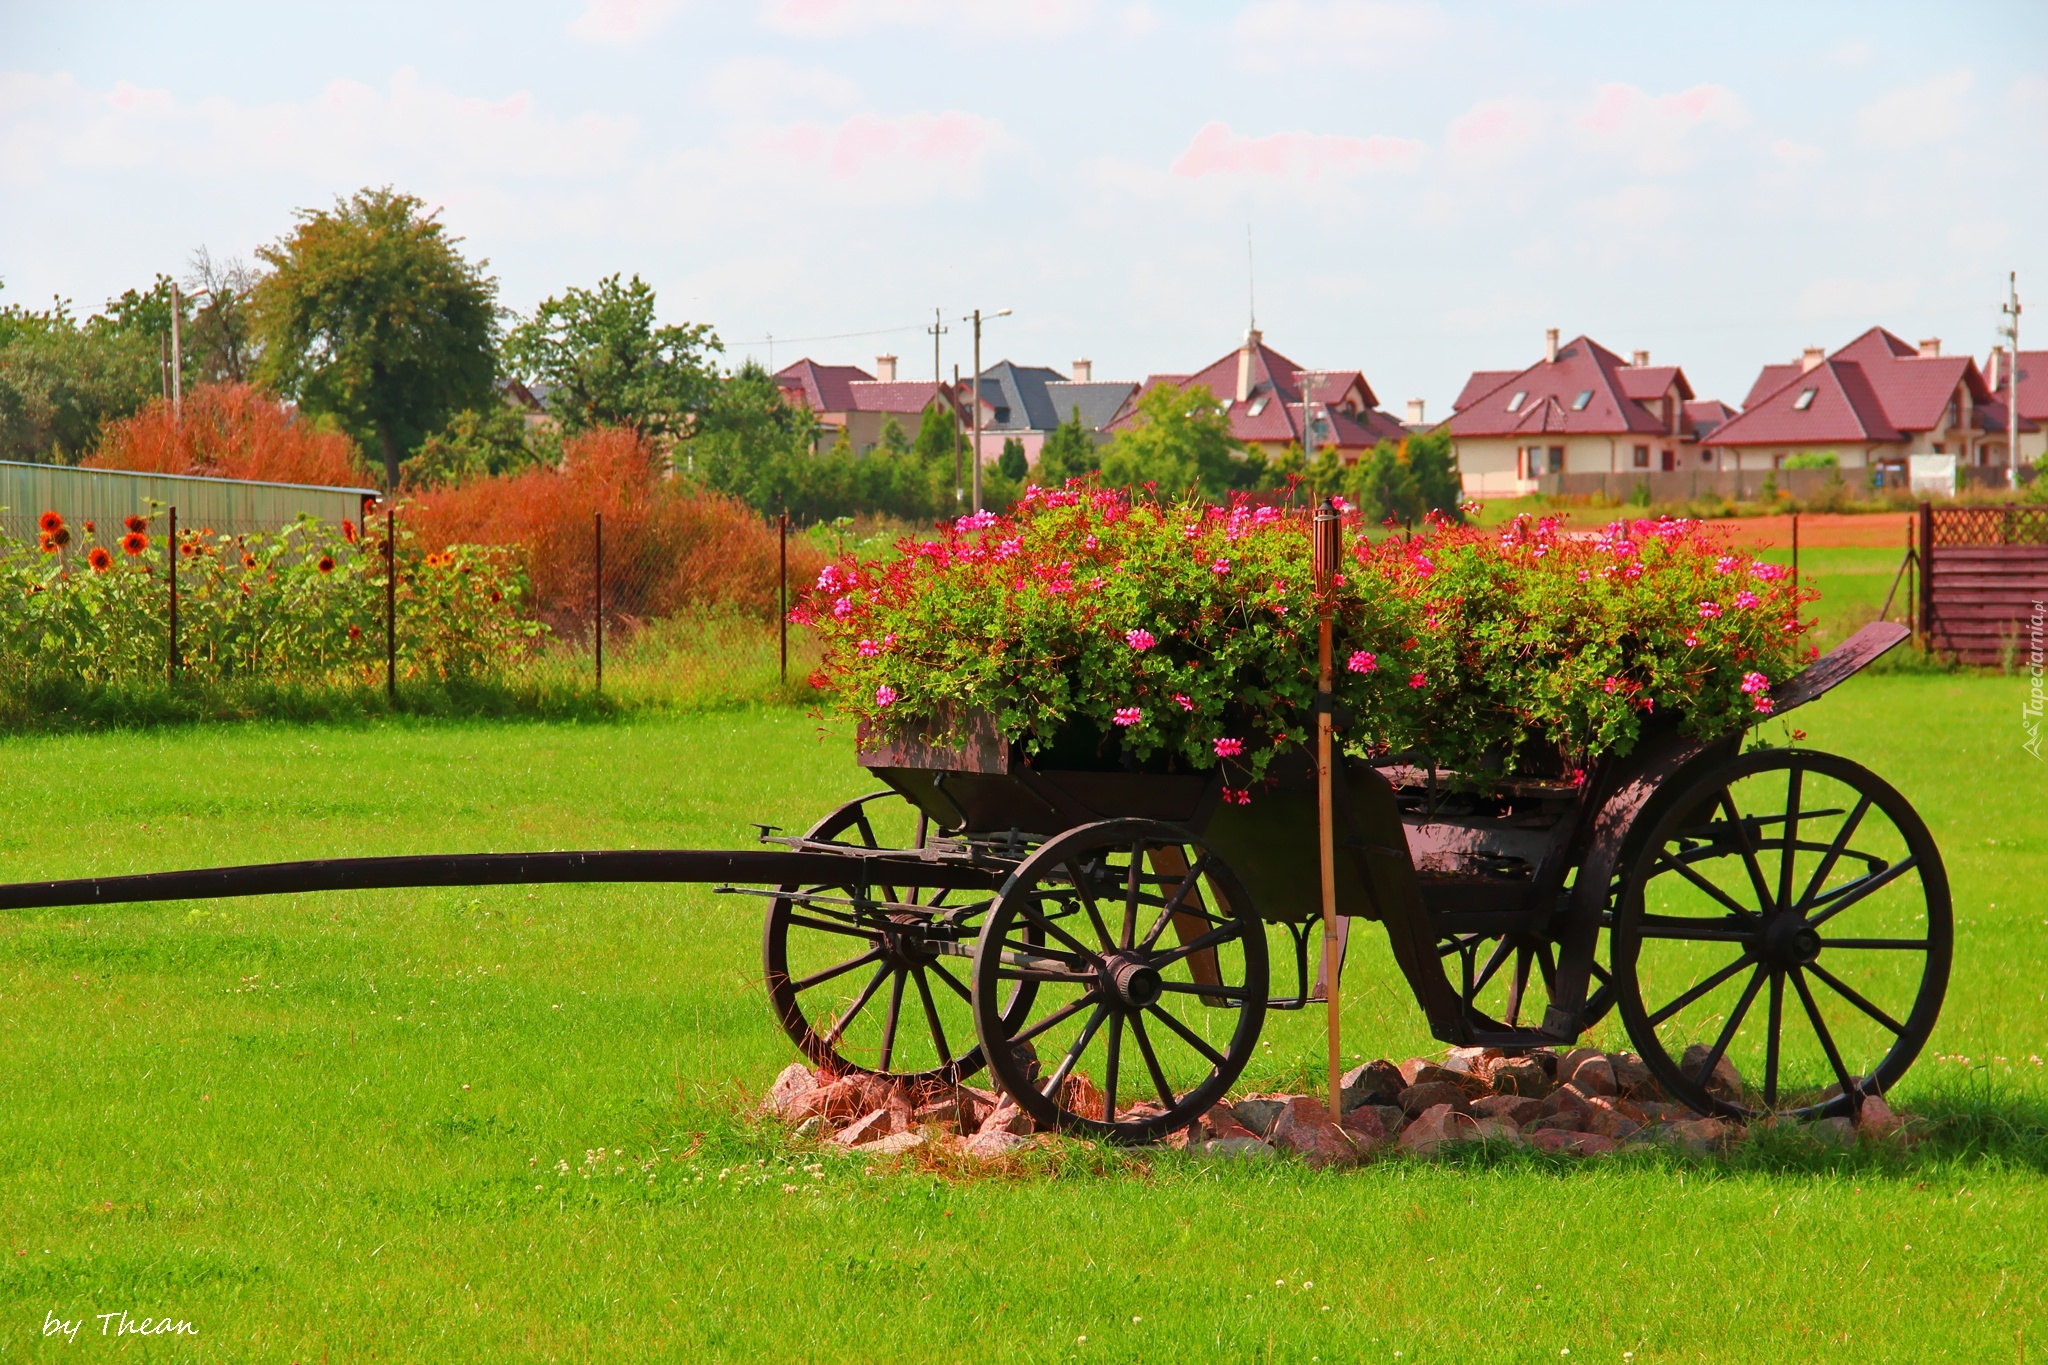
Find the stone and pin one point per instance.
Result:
(1724, 1084)
(1497, 1130)
(868, 1128)
(993, 1142)
(1876, 1122)
(813, 1127)
(1658, 1111)
(1839, 1131)
(1473, 1086)
(1258, 1113)
(1313, 1137)
(1375, 1082)
(1571, 1061)
(1520, 1110)
(1078, 1095)
(1615, 1104)
(1472, 1061)
(1632, 1078)
(1436, 1126)
(1006, 1117)
(1366, 1127)
(1700, 1135)
(839, 1101)
(1411, 1069)
(1571, 1144)
(1520, 1076)
(896, 1143)
(1565, 1100)
(1429, 1094)
(1566, 1122)
(796, 1080)
(1609, 1123)
(1594, 1077)
(1249, 1147)
(1221, 1122)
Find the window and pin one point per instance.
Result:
(1002, 416)
(1579, 403)
(1804, 400)
(1258, 406)
(1557, 459)
(1642, 457)
(1515, 403)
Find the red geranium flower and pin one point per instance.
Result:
(134, 542)
(100, 559)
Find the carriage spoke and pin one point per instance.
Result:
(1130, 933)
(1843, 989)
(1919, 945)
(1720, 1048)
(1088, 904)
(1746, 960)
(1109, 1067)
(1517, 985)
(1789, 854)
(1546, 964)
(931, 1017)
(1036, 915)
(1493, 964)
(1229, 929)
(820, 978)
(1175, 901)
(889, 1024)
(1056, 1018)
(1060, 1073)
(1188, 1036)
(1777, 1025)
(860, 1003)
(1827, 1041)
(1166, 1097)
(1842, 898)
(1683, 869)
(950, 980)
(1834, 853)
(1747, 846)
(1724, 930)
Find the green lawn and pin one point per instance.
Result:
(366, 1126)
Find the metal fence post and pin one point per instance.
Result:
(173, 656)
(782, 593)
(391, 605)
(597, 551)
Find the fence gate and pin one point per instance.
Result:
(1983, 569)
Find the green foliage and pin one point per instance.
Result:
(1180, 444)
(1069, 452)
(938, 441)
(1384, 487)
(62, 381)
(370, 314)
(1184, 634)
(1405, 482)
(1813, 459)
(476, 444)
(1012, 463)
(606, 362)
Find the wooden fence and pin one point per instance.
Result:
(1984, 572)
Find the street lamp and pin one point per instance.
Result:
(975, 318)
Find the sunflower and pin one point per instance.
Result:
(248, 560)
(47, 544)
(134, 542)
(61, 536)
(49, 523)
(348, 530)
(326, 564)
(99, 558)
(91, 529)
(136, 525)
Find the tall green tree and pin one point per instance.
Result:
(1013, 462)
(607, 362)
(62, 380)
(1068, 453)
(1181, 442)
(371, 315)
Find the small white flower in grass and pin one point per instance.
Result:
(1136, 1319)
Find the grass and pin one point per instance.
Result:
(367, 1126)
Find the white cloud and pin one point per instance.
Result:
(1655, 132)
(1633, 206)
(768, 86)
(1495, 130)
(1284, 34)
(621, 21)
(1853, 300)
(1216, 150)
(983, 18)
(1918, 114)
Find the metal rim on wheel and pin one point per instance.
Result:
(1150, 970)
(1789, 915)
(870, 981)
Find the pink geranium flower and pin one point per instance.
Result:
(1709, 610)
(1364, 661)
(1229, 748)
(1746, 599)
(1753, 683)
(1128, 715)
(885, 695)
(1185, 703)
(1220, 567)
(1140, 640)
(869, 649)
(1416, 680)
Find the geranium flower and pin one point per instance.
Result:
(1229, 748)
(1364, 661)
(1140, 640)
(1128, 715)
(975, 521)
(1746, 599)
(1709, 610)
(100, 559)
(842, 608)
(1753, 683)
(1185, 703)
(1691, 639)
(1092, 542)
(1763, 704)
(869, 649)
(1240, 796)
(1220, 567)
(1417, 680)
(134, 542)
(885, 695)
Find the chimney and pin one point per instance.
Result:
(1415, 418)
(1640, 359)
(1930, 347)
(885, 368)
(1244, 364)
(1812, 358)
(1084, 371)
(1994, 369)
(1550, 346)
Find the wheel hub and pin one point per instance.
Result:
(1789, 941)
(1133, 982)
(904, 945)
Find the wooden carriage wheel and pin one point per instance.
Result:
(1788, 915)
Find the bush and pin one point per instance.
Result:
(230, 431)
(1185, 635)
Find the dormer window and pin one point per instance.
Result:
(1579, 403)
(1515, 403)
(1804, 400)
(1258, 405)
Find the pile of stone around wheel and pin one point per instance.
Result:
(1581, 1102)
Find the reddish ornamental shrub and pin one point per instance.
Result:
(230, 431)
(1186, 634)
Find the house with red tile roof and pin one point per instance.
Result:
(846, 399)
(1876, 402)
(2033, 390)
(1274, 403)
(1581, 409)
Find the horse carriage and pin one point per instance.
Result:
(1772, 927)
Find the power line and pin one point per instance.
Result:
(833, 336)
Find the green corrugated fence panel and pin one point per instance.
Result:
(106, 496)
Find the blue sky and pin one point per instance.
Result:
(1428, 185)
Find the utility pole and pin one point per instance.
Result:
(959, 471)
(937, 330)
(2011, 332)
(975, 317)
(177, 358)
